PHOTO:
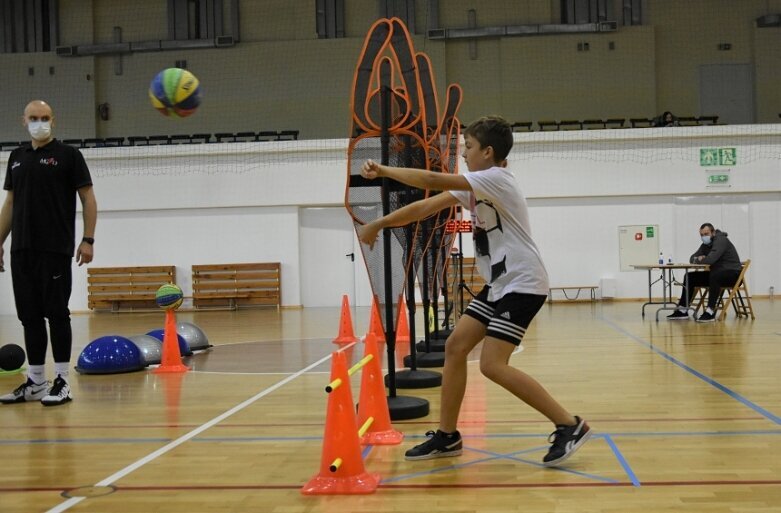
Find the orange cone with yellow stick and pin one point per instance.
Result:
(341, 464)
(373, 403)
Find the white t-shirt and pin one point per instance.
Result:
(506, 255)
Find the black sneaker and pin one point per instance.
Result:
(565, 441)
(27, 391)
(707, 317)
(59, 393)
(677, 315)
(439, 445)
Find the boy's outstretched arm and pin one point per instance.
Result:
(367, 233)
(419, 178)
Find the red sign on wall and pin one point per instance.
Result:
(462, 226)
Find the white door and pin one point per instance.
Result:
(330, 259)
(727, 91)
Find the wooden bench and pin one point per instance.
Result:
(113, 287)
(591, 288)
(235, 285)
(472, 280)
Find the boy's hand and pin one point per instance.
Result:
(367, 233)
(370, 170)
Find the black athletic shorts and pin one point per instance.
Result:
(508, 318)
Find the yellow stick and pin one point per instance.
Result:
(333, 385)
(335, 465)
(355, 368)
(366, 426)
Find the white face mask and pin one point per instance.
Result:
(706, 239)
(39, 130)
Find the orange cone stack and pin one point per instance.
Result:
(402, 325)
(346, 334)
(341, 465)
(373, 402)
(172, 358)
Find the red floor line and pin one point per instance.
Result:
(769, 482)
(426, 422)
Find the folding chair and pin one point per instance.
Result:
(738, 297)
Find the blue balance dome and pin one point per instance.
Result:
(184, 348)
(111, 354)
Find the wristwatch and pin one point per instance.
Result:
(88, 240)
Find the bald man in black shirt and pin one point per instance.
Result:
(42, 181)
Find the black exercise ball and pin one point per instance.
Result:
(11, 357)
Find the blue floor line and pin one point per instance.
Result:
(496, 456)
(765, 413)
(319, 438)
(510, 456)
(622, 460)
(453, 467)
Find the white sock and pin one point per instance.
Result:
(36, 373)
(708, 310)
(683, 309)
(61, 369)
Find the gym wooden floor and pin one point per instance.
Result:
(687, 417)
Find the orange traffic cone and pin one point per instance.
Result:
(402, 325)
(341, 464)
(373, 402)
(172, 358)
(375, 324)
(346, 334)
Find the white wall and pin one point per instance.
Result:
(241, 202)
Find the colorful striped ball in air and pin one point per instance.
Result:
(169, 297)
(175, 92)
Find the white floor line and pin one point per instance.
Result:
(179, 441)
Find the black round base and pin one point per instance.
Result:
(442, 334)
(416, 379)
(426, 360)
(435, 345)
(404, 407)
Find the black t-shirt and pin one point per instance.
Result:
(44, 182)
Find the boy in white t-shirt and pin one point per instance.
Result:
(517, 284)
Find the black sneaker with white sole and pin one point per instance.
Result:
(677, 315)
(59, 393)
(707, 317)
(565, 441)
(439, 445)
(27, 391)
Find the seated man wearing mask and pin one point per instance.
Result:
(718, 252)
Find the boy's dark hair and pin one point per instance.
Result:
(708, 225)
(492, 131)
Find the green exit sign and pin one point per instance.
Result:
(718, 179)
(718, 157)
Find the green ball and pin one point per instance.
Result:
(169, 296)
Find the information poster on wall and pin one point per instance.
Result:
(638, 245)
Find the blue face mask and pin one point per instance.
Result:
(706, 239)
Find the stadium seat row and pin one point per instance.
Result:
(144, 140)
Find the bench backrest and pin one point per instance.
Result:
(241, 284)
(109, 287)
(472, 277)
